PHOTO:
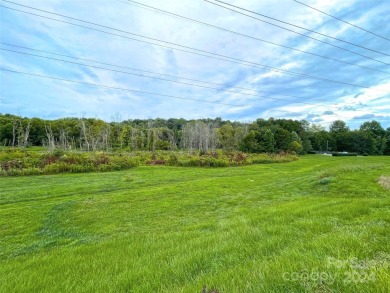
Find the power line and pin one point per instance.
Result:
(297, 26)
(306, 36)
(229, 59)
(125, 89)
(163, 79)
(141, 92)
(166, 41)
(242, 62)
(154, 9)
(152, 77)
(217, 84)
(335, 17)
(157, 73)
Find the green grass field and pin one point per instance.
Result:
(320, 224)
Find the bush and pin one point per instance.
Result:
(295, 147)
(15, 162)
(212, 162)
(12, 154)
(262, 160)
(32, 163)
(58, 153)
(173, 160)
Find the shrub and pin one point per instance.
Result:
(101, 159)
(13, 164)
(34, 163)
(12, 154)
(212, 162)
(31, 171)
(122, 163)
(173, 160)
(48, 159)
(262, 160)
(55, 168)
(157, 162)
(295, 147)
(58, 153)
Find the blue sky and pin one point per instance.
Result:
(324, 101)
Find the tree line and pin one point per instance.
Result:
(262, 136)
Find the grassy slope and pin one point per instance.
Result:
(167, 229)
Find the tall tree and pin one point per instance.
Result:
(373, 127)
(226, 137)
(377, 134)
(387, 137)
(340, 135)
(262, 141)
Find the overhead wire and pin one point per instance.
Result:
(125, 89)
(142, 76)
(297, 26)
(30, 7)
(342, 20)
(162, 74)
(158, 10)
(224, 58)
(301, 34)
(138, 91)
(164, 79)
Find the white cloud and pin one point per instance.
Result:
(67, 39)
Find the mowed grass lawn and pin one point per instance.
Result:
(320, 224)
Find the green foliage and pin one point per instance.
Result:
(173, 160)
(33, 163)
(262, 141)
(373, 127)
(282, 139)
(321, 140)
(264, 135)
(249, 143)
(226, 137)
(8, 154)
(295, 147)
(338, 126)
(58, 153)
(266, 141)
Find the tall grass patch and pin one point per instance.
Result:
(15, 162)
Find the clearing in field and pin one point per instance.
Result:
(319, 224)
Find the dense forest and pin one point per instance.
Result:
(268, 136)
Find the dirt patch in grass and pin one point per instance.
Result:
(384, 181)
